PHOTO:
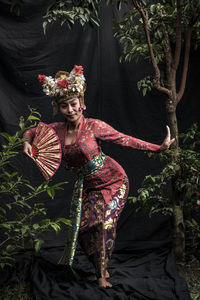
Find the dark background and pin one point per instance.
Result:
(111, 96)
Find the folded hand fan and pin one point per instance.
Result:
(46, 150)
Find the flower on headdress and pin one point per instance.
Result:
(62, 83)
(78, 70)
(41, 78)
(72, 83)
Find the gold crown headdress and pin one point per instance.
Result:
(64, 86)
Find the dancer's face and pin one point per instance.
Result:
(70, 109)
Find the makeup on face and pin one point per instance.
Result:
(70, 109)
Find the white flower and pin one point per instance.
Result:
(75, 81)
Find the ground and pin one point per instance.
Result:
(190, 271)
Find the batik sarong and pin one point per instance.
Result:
(97, 231)
(76, 204)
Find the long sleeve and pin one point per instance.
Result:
(29, 134)
(105, 132)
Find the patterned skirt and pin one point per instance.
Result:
(98, 225)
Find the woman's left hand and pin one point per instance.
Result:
(167, 141)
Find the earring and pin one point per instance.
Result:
(82, 108)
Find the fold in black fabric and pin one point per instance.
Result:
(139, 269)
(139, 276)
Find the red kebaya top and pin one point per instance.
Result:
(110, 176)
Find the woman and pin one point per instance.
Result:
(102, 187)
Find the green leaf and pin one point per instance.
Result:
(24, 229)
(6, 136)
(10, 248)
(6, 225)
(9, 206)
(144, 91)
(36, 226)
(30, 187)
(44, 26)
(95, 21)
(56, 227)
(44, 222)
(38, 244)
(3, 210)
(51, 192)
(119, 4)
(139, 84)
(63, 220)
(133, 199)
(30, 118)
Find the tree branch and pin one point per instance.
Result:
(168, 52)
(178, 36)
(5, 241)
(186, 62)
(26, 198)
(8, 191)
(156, 81)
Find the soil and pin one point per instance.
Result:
(190, 271)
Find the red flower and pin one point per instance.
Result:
(78, 70)
(62, 83)
(41, 78)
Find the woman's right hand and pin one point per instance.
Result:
(27, 149)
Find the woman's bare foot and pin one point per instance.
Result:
(93, 277)
(102, 282)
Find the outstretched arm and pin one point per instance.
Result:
(105, 132)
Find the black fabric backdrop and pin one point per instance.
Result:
(143, 265)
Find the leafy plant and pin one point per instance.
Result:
(17, 291)
(22, 221)
(192, 229)
(145, 85)
(68, 12)
(156, 195)
(193, 286)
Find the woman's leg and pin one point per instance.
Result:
(111, 217)
(98, 228)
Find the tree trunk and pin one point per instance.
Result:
(172, 120)
(178, 233)
(178, 227)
